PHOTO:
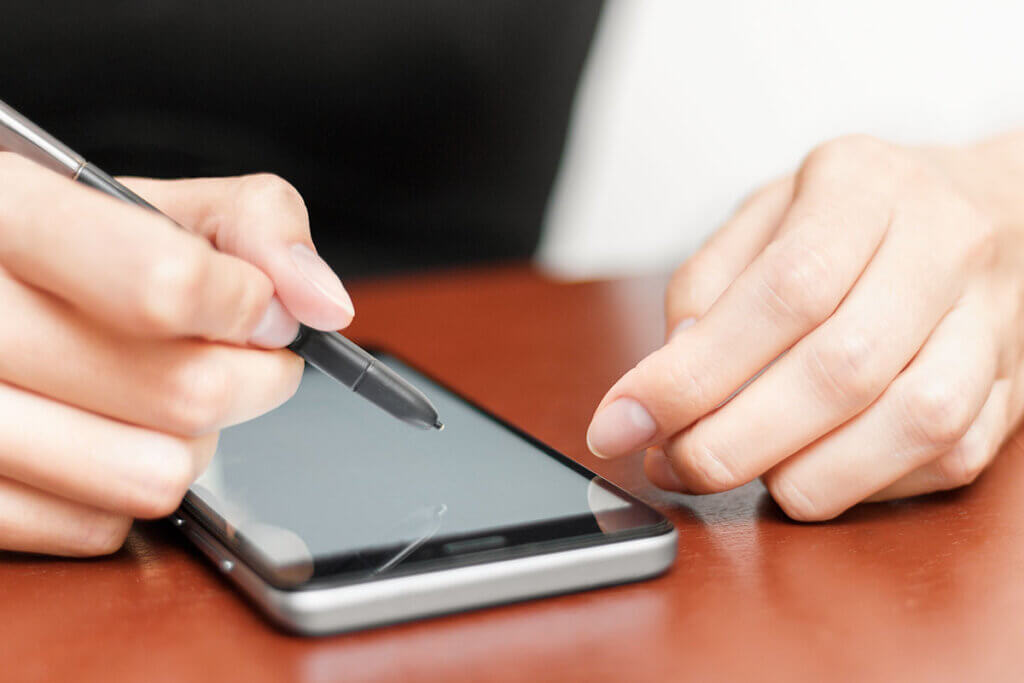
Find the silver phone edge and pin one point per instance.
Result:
(335, 609)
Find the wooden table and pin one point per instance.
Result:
(926, 589)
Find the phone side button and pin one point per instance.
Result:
(210, 550)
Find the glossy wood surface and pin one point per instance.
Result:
(930, 589)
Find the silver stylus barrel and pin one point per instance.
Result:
(21, 136)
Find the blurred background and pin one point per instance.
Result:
(420, 133)
(598, 139)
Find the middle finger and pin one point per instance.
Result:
(921, 415)
(96, 461)
(828, 377)
(824, 243)
(179, 386)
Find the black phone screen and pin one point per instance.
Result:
(328, 487)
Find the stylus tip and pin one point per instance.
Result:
(438, 425)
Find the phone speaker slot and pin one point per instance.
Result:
(472, 545)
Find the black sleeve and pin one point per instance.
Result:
(420, 133)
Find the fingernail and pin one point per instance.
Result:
(621, 427)
(276, 328)
(319, 274)
(684, 324)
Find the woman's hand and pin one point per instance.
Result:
(887, 282)
(126, 342)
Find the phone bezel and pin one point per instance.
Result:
(547, 542)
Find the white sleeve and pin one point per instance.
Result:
(685, 108)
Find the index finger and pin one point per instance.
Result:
(262, 219)
(824, 242)
(121, 264)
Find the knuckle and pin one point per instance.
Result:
(289, 377)
(267, 184)
(704, 471)
(961, 466)
(170, 291)
(263, 189)
(168, 482)
(796, 502)
(101, 534)
(685, 291)
(843, 151)
(846, 371)
(252, 296)
(760, 194)
(795, 284)
(199, 396)
(936, 412)
(686, 390)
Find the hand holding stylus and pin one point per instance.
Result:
(129, 342)
(324, 348)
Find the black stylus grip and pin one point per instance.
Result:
(341, 359)
(332, 354)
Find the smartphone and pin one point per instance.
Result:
(330, 515)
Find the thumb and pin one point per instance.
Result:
(261, 219)
(698, 283)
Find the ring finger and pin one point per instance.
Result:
(925, 411)
(93, 460)
(789, 289)
(827, 378)
(33, 521)
(966, 460)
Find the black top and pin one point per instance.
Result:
(420, 133)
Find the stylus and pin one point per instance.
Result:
(330, 352)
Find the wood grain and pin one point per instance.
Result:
(930, 589)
